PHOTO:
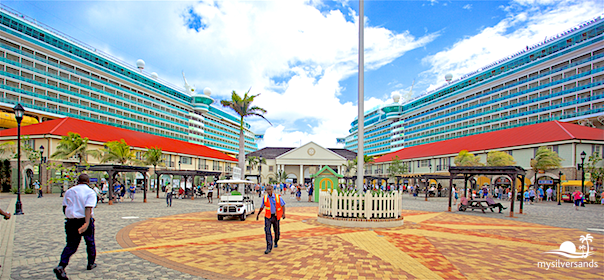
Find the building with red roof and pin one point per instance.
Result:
(177, 154)
(566, 139)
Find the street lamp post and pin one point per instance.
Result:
(178, 164)
(19, 111)
(559, 184)
(582, 168)
(41, 161)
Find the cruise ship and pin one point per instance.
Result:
(54, 76)
(558, 79)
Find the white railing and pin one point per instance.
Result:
(385, 205)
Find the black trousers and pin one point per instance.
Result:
(74, 238)
(268, 222)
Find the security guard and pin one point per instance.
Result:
(275, 210)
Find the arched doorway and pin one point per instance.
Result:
(29, 178)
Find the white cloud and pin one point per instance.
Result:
(467, 7)
(307, 52)
(522, 27)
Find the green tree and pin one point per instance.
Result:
(544, 160)
(7, 149)
(499, 158)
(367, 159)
(396, 167)
(72, 145)
(349, 166)
(243, 107)
(119, 152)
(597, 172)
(281, 176)
(252, 161)
(153, 156)
(465, 158)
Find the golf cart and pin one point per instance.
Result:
(235, 204)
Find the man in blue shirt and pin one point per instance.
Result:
(275, 209)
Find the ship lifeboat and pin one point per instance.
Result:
(8, 120)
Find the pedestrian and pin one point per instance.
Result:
(592, 195)
(132, 192)
(210, 193)
(549, 192)
(169, 195)
(122, 192)
(532, 195)
(540, 193)
(78, 204)
(455, 194)
(298, 193)
(275, 210)
(577, 196)
(310, 190)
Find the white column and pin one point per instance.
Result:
(301, 179)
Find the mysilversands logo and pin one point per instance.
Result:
(569, 250)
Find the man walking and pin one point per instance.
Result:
(78, 203)
(169, 195)
(275, 209)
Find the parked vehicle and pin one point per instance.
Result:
(235, 205)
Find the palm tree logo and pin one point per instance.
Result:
(568, 249)
(585, 239)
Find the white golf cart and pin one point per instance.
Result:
(235, 204)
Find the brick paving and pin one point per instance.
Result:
(151, 241)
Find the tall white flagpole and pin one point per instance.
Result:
(361, 117)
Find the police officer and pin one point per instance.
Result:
(275, 210)
(78, 203)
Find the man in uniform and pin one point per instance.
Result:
(275, 209)
(78, 203)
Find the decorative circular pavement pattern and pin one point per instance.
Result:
(428, 246)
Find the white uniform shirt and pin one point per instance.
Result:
(77, 198)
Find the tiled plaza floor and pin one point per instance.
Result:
(430, 245)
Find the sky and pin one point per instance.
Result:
(301, 56)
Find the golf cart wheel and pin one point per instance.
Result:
(242, 217)
(220, 218)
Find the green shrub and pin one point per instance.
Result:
(13, 190)
(29, 190)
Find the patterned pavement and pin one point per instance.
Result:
(430, 245)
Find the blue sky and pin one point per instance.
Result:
(301, 55)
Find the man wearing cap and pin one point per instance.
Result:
(78, 204)
(275, 210)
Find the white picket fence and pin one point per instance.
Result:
(387, 205)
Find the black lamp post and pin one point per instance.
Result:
(558, 194)
(178, 164)
(41, 161)
(19, 111)
(582, 168)
(260, 171)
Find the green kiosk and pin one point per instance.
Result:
(325, 179)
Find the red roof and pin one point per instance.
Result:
(105, 133)
(524, 135)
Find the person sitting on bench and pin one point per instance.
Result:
(492, 203)
(463, 203)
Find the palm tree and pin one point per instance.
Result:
(243, 107)
(118, 151)
(252, 162)
(545, 159)
(586, 238)
(465, 158)
(153, 156)
(281, 176)
(72, 145)
(367, 159)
